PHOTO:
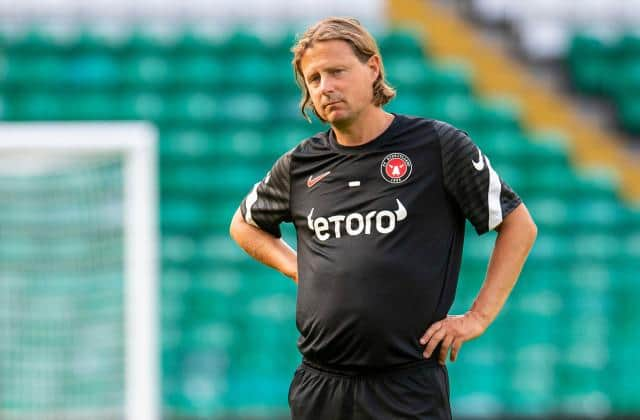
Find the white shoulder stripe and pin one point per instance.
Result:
(251, 200)
(495, 188)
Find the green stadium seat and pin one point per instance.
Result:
(629, 113)
(92, 106)
(183, 213)
(400, 42)
(409, 74)
(188, 108)
(198, 70)
(498, 114)
(252, 72)
(43, 71)
(454, 77)
(204, 179)
(610, 68)
(281, 138)
(38, 106)
(218, 248)
(92, 71)
(240, 109)
(408, 102)
(13, 71)
(246, 144)
(147, 106)
(147, 71)
(281, 81)
(588, 59)
(459, 110)
(628, 45)
(181, 145)
(178, 248)
(220, 212)
(597, 247)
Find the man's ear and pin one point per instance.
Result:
(374, 65)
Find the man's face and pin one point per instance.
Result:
(340, 85)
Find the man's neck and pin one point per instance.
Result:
(365, 129)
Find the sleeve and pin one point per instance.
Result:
(267, 205)
(484, 198)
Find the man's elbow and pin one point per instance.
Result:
(530, 226)
(521, 224)
(532, 231)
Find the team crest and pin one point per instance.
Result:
(396, 168)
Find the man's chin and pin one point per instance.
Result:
(338, 118)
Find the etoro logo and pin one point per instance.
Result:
(396, 168)
(355, 224)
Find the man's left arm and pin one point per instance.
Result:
(516, 235)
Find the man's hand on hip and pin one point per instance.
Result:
(452, 331)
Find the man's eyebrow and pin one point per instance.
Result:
(330, 68)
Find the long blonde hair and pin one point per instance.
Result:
(363, 45)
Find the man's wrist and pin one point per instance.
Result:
(481, 317)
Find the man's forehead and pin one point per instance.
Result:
(326, 53)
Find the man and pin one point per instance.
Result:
(379, 203)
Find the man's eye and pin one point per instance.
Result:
(313, 79)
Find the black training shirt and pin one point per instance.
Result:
(380, 229)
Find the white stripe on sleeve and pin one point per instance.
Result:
(495, 188)
(251, 200)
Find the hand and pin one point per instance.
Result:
(293, 276)
(452, 332)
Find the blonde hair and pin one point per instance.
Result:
(364, 47)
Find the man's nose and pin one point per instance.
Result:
(326, 85)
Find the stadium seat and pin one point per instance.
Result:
(199, 71)
(401, 42)
(97, 71)
(147, 71)
(188, 107)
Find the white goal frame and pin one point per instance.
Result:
(137, 143)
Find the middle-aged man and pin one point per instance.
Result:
(379, 203)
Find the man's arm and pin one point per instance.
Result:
(516, 235)
(264, 247)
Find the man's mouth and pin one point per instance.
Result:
(331, 103)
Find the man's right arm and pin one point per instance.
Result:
(264, 247)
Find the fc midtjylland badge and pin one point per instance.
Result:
(396, 168)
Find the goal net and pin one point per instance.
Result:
(78, 296)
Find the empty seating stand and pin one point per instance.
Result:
(226, 107)
(608, 65)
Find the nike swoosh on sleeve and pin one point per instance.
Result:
(479, 165)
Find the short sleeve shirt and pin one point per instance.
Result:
(380, 230)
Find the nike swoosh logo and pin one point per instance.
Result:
(313, 181)
(479, 165)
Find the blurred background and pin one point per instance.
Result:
(550, 90)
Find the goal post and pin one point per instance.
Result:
(78, 271)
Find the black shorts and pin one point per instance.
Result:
(419, 390)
